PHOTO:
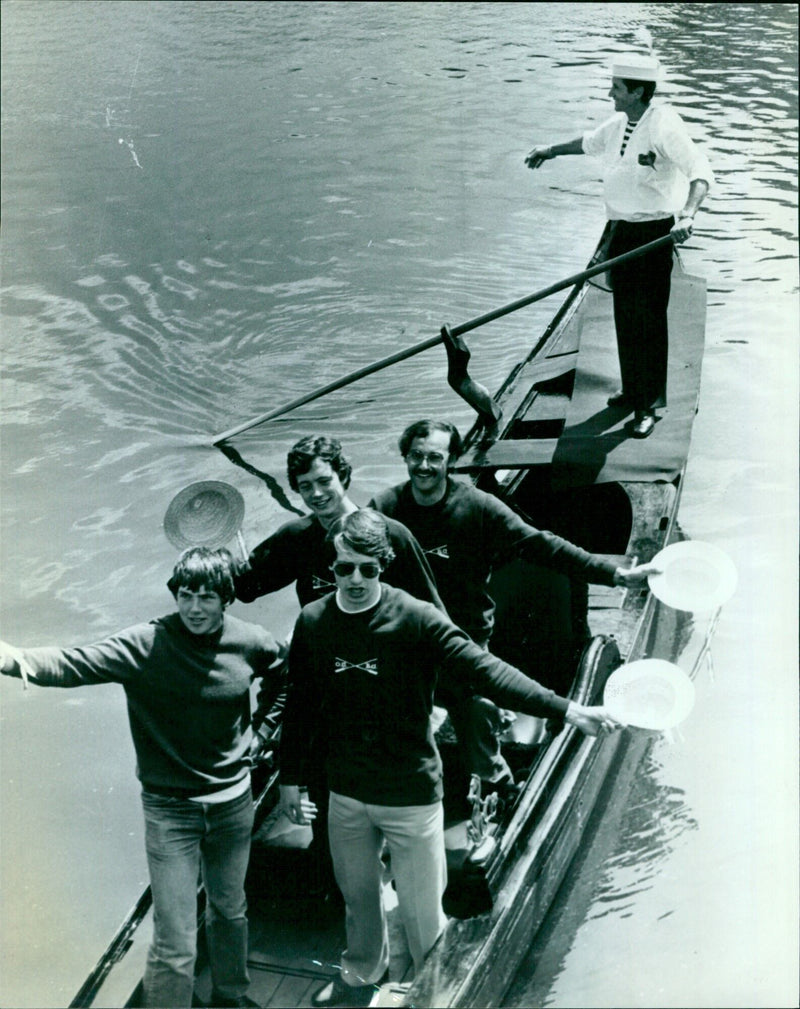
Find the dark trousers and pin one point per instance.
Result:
(641, 295)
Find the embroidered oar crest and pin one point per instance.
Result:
(369, 666)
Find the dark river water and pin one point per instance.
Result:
(209, 209)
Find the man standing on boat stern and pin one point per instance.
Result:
(363, 666)
(654, 180)
(187, 679)
(466, 533)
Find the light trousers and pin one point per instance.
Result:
(182, 839)
(415, 838)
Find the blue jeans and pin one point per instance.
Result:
(182, 839)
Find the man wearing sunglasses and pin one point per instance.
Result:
(466, 534)
(363, 666)
(301, 552)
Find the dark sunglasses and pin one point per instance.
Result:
(368, 569)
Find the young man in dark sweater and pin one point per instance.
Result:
(466, 533)
(187, 679)
(363, 666)
(301, 551)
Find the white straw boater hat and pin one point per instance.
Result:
(636, 68)
(208, 513)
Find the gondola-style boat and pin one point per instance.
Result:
(549, 446)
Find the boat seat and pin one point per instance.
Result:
(509, 454)
(545, 407)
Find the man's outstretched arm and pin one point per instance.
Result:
(540, 154)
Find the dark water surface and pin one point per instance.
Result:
(209, 209)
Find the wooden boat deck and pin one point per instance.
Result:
(562, 417)
(296, 941)
(282, 972)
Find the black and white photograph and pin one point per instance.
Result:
(399, 430)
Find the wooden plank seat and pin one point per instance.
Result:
(509, 454)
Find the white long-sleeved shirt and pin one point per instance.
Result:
(650, 181)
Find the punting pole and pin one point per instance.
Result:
(481, 320)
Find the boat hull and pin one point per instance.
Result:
(294, 944)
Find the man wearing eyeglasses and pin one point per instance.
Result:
(465, 534)
(363, 665)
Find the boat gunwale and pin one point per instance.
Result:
(448, 968)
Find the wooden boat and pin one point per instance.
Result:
(550, 447)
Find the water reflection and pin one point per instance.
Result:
(657, 816)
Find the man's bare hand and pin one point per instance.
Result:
(635, 575)
(296, 805)
(538, 156)
(594, 721)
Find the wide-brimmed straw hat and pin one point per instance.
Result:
(650, 694)
(204, 514)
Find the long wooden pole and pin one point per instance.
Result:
(417, 348)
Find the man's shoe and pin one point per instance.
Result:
(337, 993)
(643, 425)
(618, 399)
(231, 1001)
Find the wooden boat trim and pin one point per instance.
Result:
(465, 968)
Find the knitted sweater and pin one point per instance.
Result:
(362, 684)
(469, 533)
(302, 552)
(188, 695)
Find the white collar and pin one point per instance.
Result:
(363, 609)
